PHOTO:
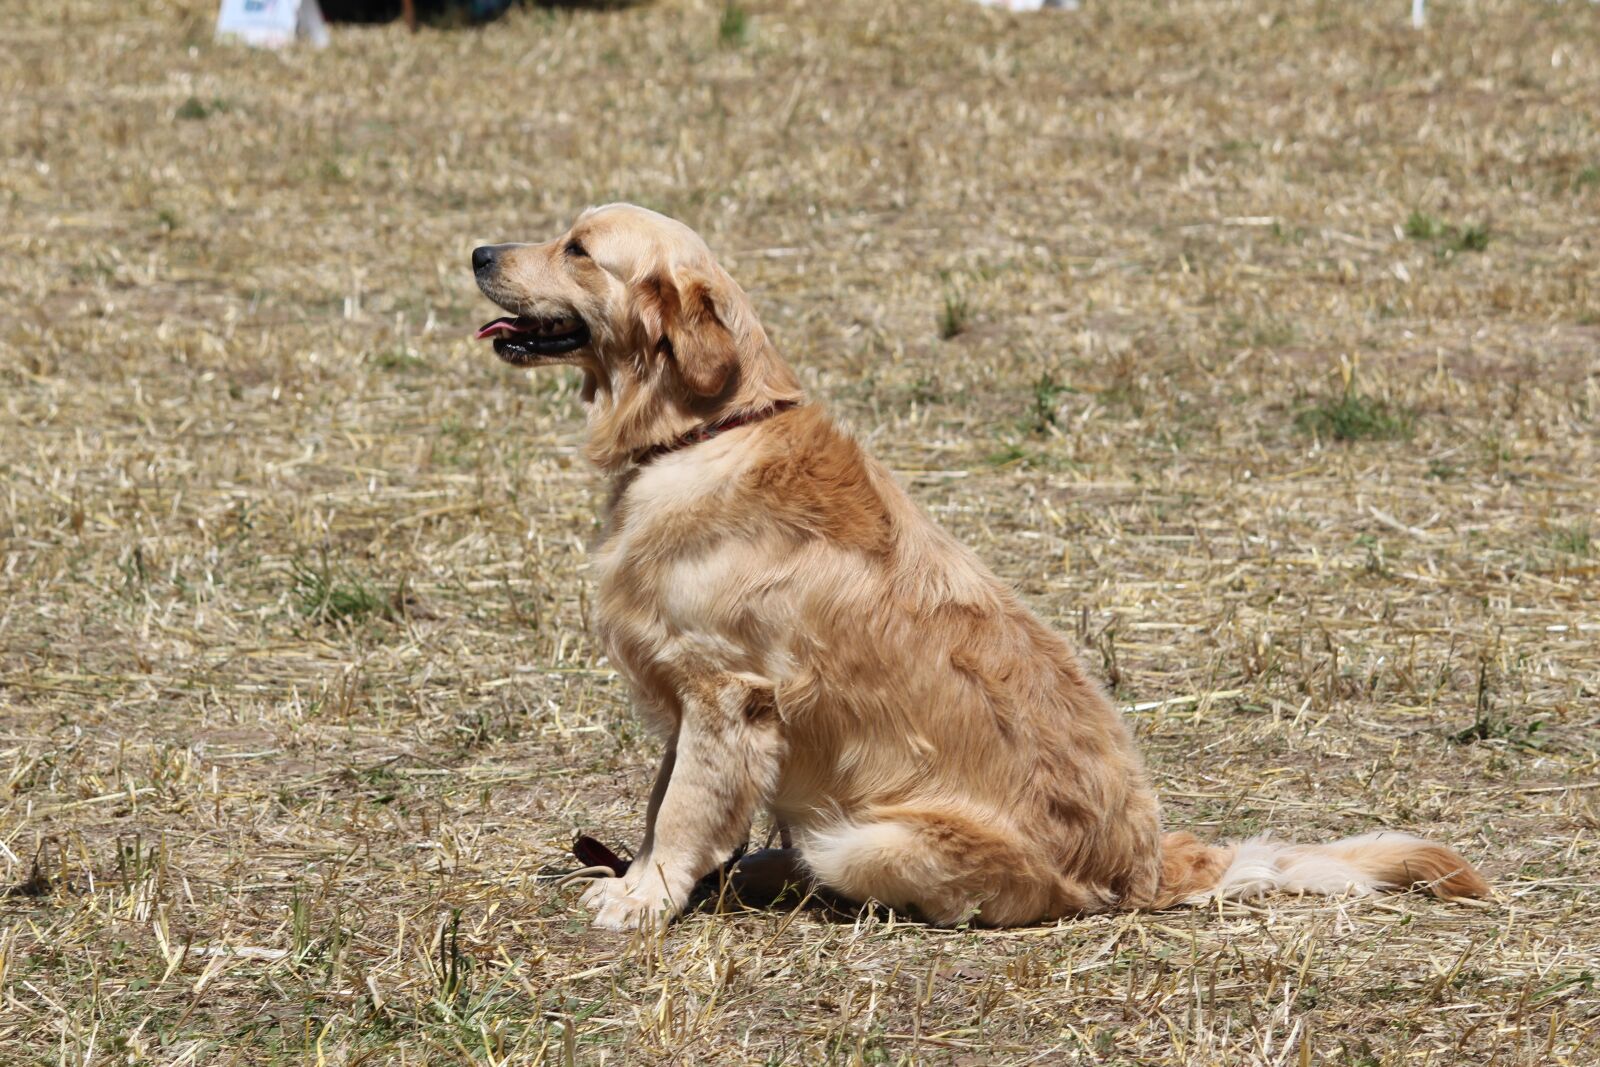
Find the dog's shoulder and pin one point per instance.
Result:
(815, 479)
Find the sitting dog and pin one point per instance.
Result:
(806, 640)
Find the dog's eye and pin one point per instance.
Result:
(576, 251)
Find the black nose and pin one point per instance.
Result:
(483, 258)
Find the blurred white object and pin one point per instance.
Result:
(1031, 5)
(272, 23)
(1419, 12)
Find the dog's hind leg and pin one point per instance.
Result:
(946, 866)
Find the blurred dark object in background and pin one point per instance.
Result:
(426, 10)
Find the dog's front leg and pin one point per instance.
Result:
(724, 764)
(603, 889)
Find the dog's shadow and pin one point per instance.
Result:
(764, 879)
(774, 879)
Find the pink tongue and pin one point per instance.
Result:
(498, 326)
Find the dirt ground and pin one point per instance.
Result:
(1257, 343)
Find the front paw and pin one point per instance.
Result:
(619, 906)
(602, 890)
(630, 913)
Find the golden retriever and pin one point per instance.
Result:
(807, 641)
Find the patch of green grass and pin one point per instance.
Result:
(325, 594)
(1289, 234)
(397, 359)
(1354, 417)
(733, 28)
(135, 570)
(1019, 455)
(1472, 237)
(954, 316)
(1489, 726)
(196, 110)
(1008, 455)
(927, 390)
(1421, 226)
(1046, 394)
(1576, 539)
(1586, 177)
(1375, 563)
(1492, 723)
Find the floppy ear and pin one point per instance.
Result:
(680, 319)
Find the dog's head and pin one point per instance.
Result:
(666, 339)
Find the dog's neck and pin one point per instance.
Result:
(710, 430)
(632, 422)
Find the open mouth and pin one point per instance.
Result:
(521, 340)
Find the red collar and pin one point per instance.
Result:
(706, 433)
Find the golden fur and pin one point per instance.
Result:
(807, 641)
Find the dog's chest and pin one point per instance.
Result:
(667, 574)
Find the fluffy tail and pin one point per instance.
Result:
(1193, 872)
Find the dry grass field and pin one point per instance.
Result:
(1257, 343)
